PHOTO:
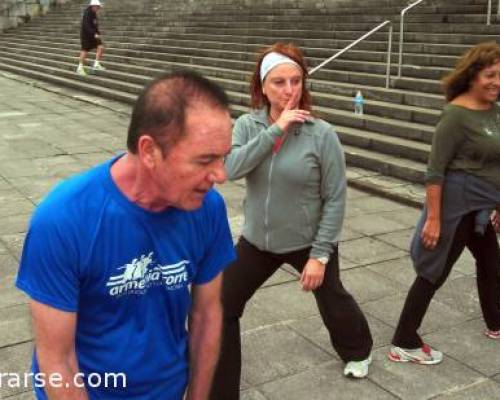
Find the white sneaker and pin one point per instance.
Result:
(357, 369)
(424, 355)
(98, 67)
(81, 71)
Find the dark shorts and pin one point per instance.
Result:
(90, 43)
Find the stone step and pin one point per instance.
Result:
(82, 85)
(247, 59)
(385, 109)
(345, 90)
(272, 36)
(282, 28)
(380, 143)
(407, 170)
(388, 127)
(444, 8)
(340, 75)
(402, 97)
(363, 138)
(185, 41)
(236, 51)
(398, 128)
(113, 21)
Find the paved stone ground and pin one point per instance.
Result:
(47, 136)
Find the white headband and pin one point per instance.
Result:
(272, 60)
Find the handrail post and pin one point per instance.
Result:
(401, 33)
(498, 8)
(488, 17)
(389, 52)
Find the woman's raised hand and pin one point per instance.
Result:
(290, 116)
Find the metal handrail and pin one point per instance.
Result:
(401, 28)
(339, 53)
(401, 33)
(488, 17)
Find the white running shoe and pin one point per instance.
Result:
(357, 369)
(98, 67)
(424, 355)
(81, 71)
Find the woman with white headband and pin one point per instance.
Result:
(294, 169)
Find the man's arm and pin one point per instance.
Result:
(205, 325)
(55, 349)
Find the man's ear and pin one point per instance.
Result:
(148, 151)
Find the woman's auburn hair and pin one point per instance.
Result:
(257, 98)
(467, 68)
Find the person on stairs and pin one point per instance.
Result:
(90, 38)
(463, 201)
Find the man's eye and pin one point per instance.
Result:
(205, 162)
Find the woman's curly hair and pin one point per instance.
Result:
(468, 66)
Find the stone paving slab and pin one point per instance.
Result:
(400, 270)
(486, 389)
(467, 343)
(277, 351)
(367, 250)
(9, 295)
(15, 360)
(322, 383)
(14, 325)
(419, 382)
(287, 354)
(314, 330)
(439, 316)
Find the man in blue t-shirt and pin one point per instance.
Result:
(119, 258)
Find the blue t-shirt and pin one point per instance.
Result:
(127, 273)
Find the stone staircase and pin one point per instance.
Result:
(387, 147)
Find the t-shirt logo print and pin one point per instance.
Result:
(143, 272)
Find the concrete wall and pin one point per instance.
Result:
(15, 12)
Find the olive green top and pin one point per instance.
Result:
(466, 140)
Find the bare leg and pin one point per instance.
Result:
(83, 56)
(99, 52)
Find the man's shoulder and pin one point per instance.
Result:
(67, 196)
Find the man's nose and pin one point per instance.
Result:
(218, 174)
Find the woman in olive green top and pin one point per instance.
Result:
(463, 190)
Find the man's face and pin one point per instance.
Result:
(196, 162)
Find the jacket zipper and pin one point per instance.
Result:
(268, 200)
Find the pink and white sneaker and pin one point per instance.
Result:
(424, 355)
(492, 334)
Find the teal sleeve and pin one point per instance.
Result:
(250, 147)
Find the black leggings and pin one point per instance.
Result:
(349, 332)
(486, 253)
